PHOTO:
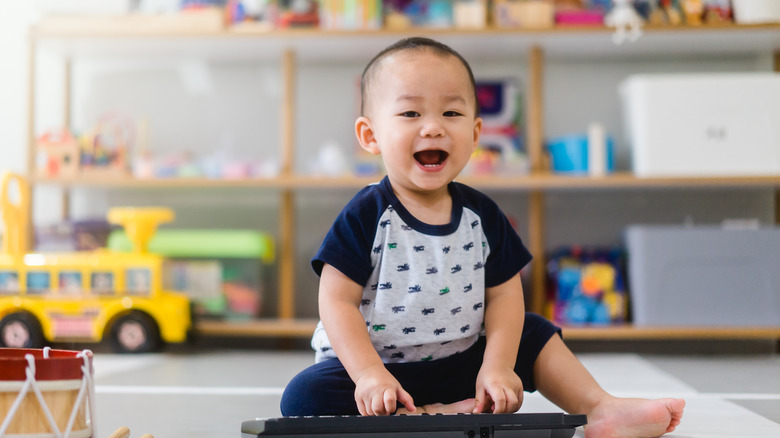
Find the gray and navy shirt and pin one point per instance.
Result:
(424, 285)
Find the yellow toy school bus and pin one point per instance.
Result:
(86, 296)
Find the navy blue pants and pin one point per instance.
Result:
(325, 388)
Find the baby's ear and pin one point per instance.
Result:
(477, 131)
(365, 135)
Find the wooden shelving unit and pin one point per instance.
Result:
(292, 49)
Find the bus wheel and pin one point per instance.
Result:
(20, 330)
(135, 332)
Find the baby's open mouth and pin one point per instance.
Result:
(431, 158)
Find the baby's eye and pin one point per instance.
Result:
(410, 114)
(452, 114)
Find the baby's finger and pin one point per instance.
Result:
(499, 401)
(378, 404)
(480, 401)
(389, 401)
(361, 407)
(512, 402)
(406, 399)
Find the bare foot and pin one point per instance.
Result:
(461, 407)
(633, 417)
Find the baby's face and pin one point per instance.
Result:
(422, 112)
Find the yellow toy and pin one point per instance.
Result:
(86, 296)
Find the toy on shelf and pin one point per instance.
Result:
(250, 11)
(626, 21)
(693, 11)
(470, 14)
(576, 13)
(587, 286)
(501, 148)
(591, 154)
(298, 13)
(221, 271)
(405, 14)
(717, 11)
(73, 235)
(350, 14)
(106, 148)
(61, 153)
(89, 295)
(535, 14)
(671, 12)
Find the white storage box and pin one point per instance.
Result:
(703, 124)
(756, 11)
(704, 276)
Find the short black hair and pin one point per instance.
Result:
(418, 44)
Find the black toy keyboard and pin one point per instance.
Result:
(554, 425)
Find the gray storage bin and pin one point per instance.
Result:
(704, 276)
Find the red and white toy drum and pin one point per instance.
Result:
(46, 393)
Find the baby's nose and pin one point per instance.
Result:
(432, 128)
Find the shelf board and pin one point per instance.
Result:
(98, 36)
(533, 182)
(629, 333)
(291, 328)
(304, 328)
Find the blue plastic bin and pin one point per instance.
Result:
(570, 154)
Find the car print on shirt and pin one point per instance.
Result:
(427, 358)
(419, 248)
(365, 302)
(467, 288)
(392, 245)
(455, 269)
(377, 249)
(474, 224)
(378, 327)
(440, 331)
(428, 311)
(414, 289)
(409, 330)
(465, 328)
(399, 355)
(446, 250)
(386, 286)
(477, 306)
(403, 268)
(406, 227)
(399, 309)
(389, 347)
(374, 286)
(384, 223)
(468, 246)
(431, 271)
(444, 291)
(455, 311)
(479, 265)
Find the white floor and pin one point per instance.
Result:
(208, 394)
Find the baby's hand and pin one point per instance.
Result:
(499, 390)
(377, 391)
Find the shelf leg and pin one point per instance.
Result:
(31, 143)
(287, 212)
(287, 225)
(535, 109)
(536, 210)
(536, 233)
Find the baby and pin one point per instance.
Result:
(420, 298)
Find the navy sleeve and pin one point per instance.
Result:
(347, 245)
(508, 255)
